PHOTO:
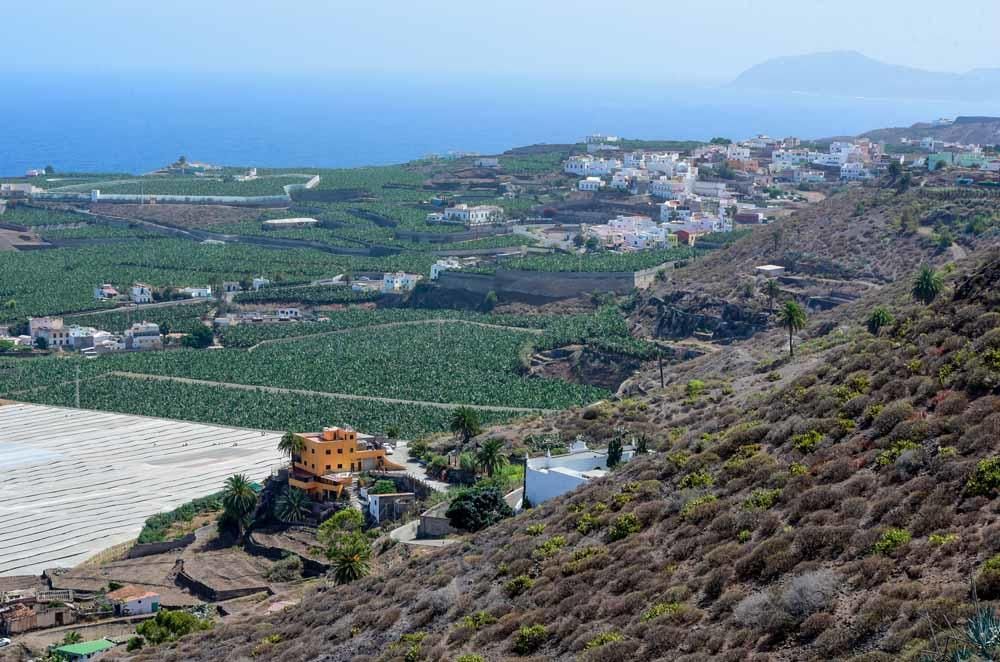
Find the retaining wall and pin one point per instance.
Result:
(148, 549)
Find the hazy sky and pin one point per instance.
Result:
(635, 39)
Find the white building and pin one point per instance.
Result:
(665, 163)
(286, 314)
(769, 270)
(592, 184)
(709, 189)
(447, 264)
(394, 283)
(584, 166)
(487, 162)
(143, 336)
(737, 153)
(289, 223)
(133, 600)
(471, 216)
(142, 293)
(51, 330)
(259, 283)
(197, 292)
(548, 477)
(854, 171)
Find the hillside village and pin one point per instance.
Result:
(447, 441)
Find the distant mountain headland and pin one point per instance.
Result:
(848, 73)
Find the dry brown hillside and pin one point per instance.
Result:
(833, 507)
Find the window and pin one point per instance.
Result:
(327, 451)
(340, 466)
(312, 450)
(340, 451)
(328, 467)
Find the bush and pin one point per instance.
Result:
(287, 569)
(985, 479)
(604, 638)
(988, 579)
(470, 657)
(549, 548)
(807, 441)
(890, 416)
(478, 508)
(891, 540)
(761, 499)
(690, 509)
(623, 526)
(518, 585)
(697, 479)
(530, 638)
(663, 609)
(535, 529)
(478, 620)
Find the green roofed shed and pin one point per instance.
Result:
(85, 650)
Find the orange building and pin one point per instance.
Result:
(328, 459)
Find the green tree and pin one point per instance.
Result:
(478, 508)
(895, 170)
(199, 338)
(343, 522)
(927, 285)
(293, 506)
(291, 445)
(465, 424)
(49, 170)
(719, 140)
(793, 318)
(170, 626)
(350, 558)
(615, 449)
(239, 500)
(72, 637)
(490, 457)
(879, 319)
(383, 487)
(772, 290)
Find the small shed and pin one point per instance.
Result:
(85, 650)
(770, 270)
(133, 600)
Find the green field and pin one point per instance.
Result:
(179, 319)
(186, 185)
(62, 281)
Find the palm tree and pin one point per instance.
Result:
(615, 450)
(879, 319)
(772, 290)
(465, 424)
(490, 457)
(291, 445)
(239, 500)
(927, 285)
(72, 638)
(350, 558)
(793, 318)
(293, 506)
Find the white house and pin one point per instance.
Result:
(592, 184)
(393, 283)
(444, 265)
(769, 270)
(259, 283)
(197, 292)
(286, 314)
(585, 166)
(548, 477)
(142, 293)
(231, 286)
(709, 189)
(477, 215)
(664, 163)
(854, 171)
(143, 336)
(737, 153)
(134, 600)
(51, 330)
(487, 162)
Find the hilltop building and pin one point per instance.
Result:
(328, 459)
(550, 476)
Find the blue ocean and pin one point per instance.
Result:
(135, 123)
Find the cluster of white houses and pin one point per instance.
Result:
(54, 333)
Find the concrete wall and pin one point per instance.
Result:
(544, 485)
(551, 285)
(147, 549)
(434, 523)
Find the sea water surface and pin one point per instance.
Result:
(135, 123)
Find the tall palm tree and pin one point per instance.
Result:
(465, 424)
(772, 290)
(793, 318)
(490, 457)
(879, 319)
(291, 445)
(239, 500)
(293, 506)
(927, 285)
(350, 558)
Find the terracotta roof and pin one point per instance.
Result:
(127, 593)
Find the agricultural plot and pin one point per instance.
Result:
(250, 408)
(62, 281)
(77, 482)
(603, 261)
(189, 185)
(173, 319)
(441, 363)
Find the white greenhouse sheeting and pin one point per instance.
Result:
(74, 482)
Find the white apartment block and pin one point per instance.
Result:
(737, 153)
(142, 293)
(394, 283)
(592, 184)
(585, 166)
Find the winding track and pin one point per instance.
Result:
(78, 481)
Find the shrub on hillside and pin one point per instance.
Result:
(530, 638)
(478, 508)
(518, 585)
(890, 416)
(985, 479)
(988, 579)
(891, 540)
